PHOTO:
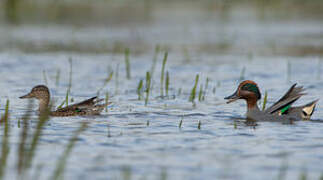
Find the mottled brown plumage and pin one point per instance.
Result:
(85, 108)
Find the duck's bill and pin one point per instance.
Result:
(232, 98)
(26, 96)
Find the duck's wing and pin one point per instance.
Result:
(305, 111)
(81, 105)
(85, 107)
(285, 102)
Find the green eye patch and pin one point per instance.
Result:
(253, 88)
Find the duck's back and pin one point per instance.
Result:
(262, 116)
(85, 108)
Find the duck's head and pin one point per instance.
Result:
(39, 92)
(247, 90)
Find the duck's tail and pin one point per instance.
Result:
(308, 109)
(98, 108)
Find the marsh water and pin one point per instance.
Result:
(170, 137)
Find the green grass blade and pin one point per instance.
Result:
(181, 123)
(61, 163)
(106, 81)
(117, 80)
(265, 101)
(201, 93)
(167, 83)
(5, 141)
(163, 74)
(21, 153)
(106, 101)
(179, 92)
(127, 62)
(148, 84)
(45, 77)
(66, 97)
(139, 88)
(206, 88)
(193, 91)
(43, 118)
(70, 75)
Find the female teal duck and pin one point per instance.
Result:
(279, 111)
(84, 108)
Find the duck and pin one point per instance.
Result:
(87, 107)
(282, 110)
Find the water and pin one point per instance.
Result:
(134, 141)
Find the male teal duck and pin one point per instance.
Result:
(279, 111)
(85, 108)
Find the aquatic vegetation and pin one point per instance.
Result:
(186, 54)
(11, 11)
(5, 140)
(45, 77)
(70, 74)
(201, 93)
(179, 92)
(162, 76)
(23, 138)
(66, 97)
(106, 100)
(303, 175)
(106, 81)
(193, 91)
(30, 153)
(283, 171)
(199, 125)
(61, 162)
(69, 84)
(126, 173)
(139, 88)
(214, 90)
(127, 62)
(180, 123)
(148, 85)
(205, 88)
(27, 147)
(117, 80)
(163, 174)
(167, 83)
(265, 101)
(242, 73)
(108, 130)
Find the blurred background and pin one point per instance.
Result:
(254, 27)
